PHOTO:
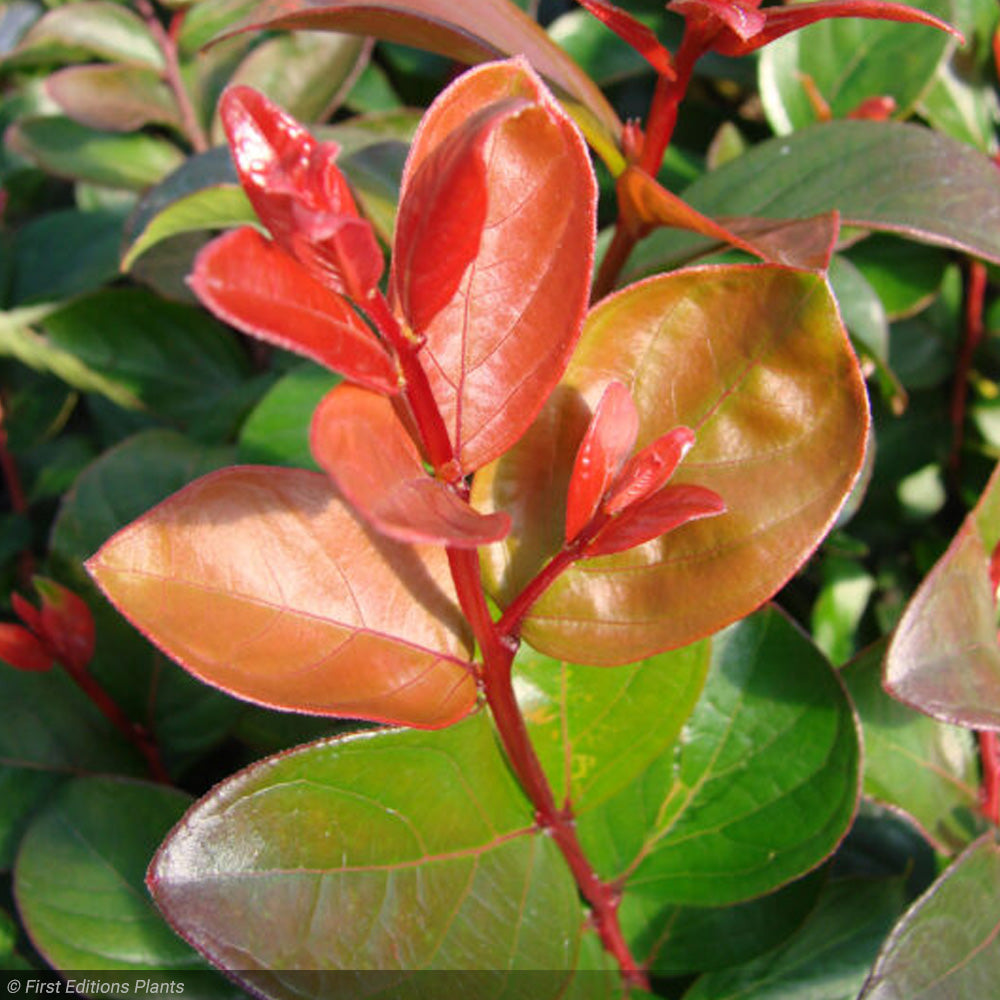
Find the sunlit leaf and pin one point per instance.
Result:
(712, 349)
(410, 853)
(946, 945)
(927, 769)
(772, 745)
(943, 658)
(499, 327)
(360, 441)
(253, 564)
(471, 32)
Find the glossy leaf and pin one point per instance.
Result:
(471, 32)
(379, 875)
(711, 349)
(608, 441)
(829, 956)
(945, 946)
(67, 149)
(370, 631)
(849, 60)
(596, 730)
(498, 342)
(277, 430)
(113, 98)
(81, 31)
(878, 175)
(943, 659)
(253, 284)
(79, 883)
(771, 745)
(927, 769)
(360, 441)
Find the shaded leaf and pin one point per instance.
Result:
(849, 60)
(595, 730)
(878, 175)
(771, 746)
(79, 884)
(113, 98)
(827, 959)
(379, 874)
(81, 31)
(946, 944)
(360, 441)
(943, 659)
(472, 32)
(67, 149)
(499, 327)
(250, 282)
(370, 631)
(927, 769)
(711, 349)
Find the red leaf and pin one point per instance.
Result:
(262, 582)
(655, 516)
(634, 32)
(650, 469)
(608, 441)
(495, 350)
(22, 650)
(300, 194)
(742, 20)
(358, 439)
(253, 284)
(67, 624)
(28, 613)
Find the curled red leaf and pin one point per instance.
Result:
(23, 650)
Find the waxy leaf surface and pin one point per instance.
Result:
(925, 768)
(771, 745)
(946, 945)
(755, 361)
(878, 175)
(113, 98)
(79, 884)
(253, 284)
(500, 338)
(596, 730)
(261, 581)
(396, 852)
(943, 658)
(365, 449)
(472, 32)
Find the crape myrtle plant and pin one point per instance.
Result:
(543, 523)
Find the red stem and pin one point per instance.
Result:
(989, 754)
(972, 335)
(132, 731)
(167, 42)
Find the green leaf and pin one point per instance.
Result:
(591, 726)
(79, 882)
(169, 359)
(277, 431)
(375, 172)
(82, 31)
(307, 73)
(879, 175)
(843, 597)
(471, 32)
(946, 945)
(761, 787)
(602, 54)
(849, 60)
(905, 275)
(114, 98)
(710, 348)
(67, 149)
(64, 253)
(827, 959)
(49, 731)
(406, 851)
(964, 105)
(676, 940)
(926, 769)
(943, 659)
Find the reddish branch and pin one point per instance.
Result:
(167, 43)
(972, 335)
